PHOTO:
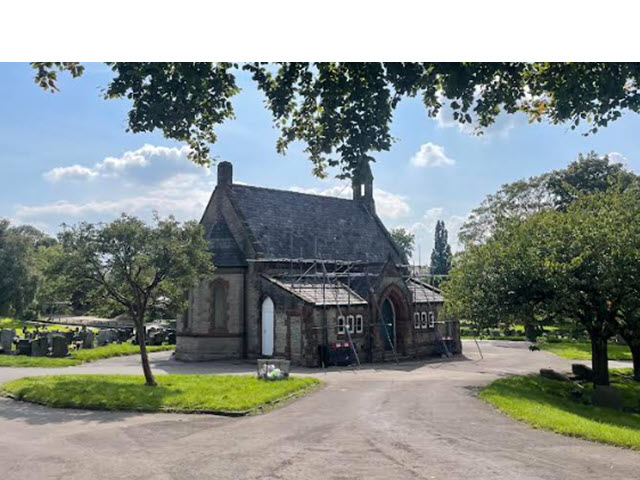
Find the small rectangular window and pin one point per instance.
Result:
(432, 320)
(424, 319)
(416, 320)
(340, 325)
(350, 323)
(359, 324)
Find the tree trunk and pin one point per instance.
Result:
(142, 342)
(599, 360)
(635, 354)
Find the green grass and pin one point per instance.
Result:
(582, 350)
(548, 404)
(8, 322)
(79, 356)
(174, 393)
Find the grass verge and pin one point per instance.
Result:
(548, 404)
(582, 350)
(18, 325)
(77, 357)
(226, 394)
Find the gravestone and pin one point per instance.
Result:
(553, 375)
(6, 339)
(24, 346)
(582, 372)
(102, 338)
(59, 347)
(124, 334)
(155, 336)
(39, 347)
(88, 339)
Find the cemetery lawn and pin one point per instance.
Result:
(548, 404)
(231, 394)
(582, 350)
(77, 357)
(8, 322)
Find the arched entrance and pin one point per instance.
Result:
(388, 327)
(267, 326)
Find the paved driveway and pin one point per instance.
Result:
(417, 420)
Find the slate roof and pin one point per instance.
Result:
(288, 224)
(226, 251)
(423, 293)
(333, 293)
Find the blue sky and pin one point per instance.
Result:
(66, 157)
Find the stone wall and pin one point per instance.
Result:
(211, 329)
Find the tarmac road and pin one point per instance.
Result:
(416, 420)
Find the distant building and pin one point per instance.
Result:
(297, 274)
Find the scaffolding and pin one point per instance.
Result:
(331, 281)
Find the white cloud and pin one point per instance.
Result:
(431, 155)
(617, 157)
(425, 228)
(388, 205)
(185, 196)
(133, 165)
(74, 172)
(501, 127)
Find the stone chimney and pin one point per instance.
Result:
(364, 178)
(225, 174)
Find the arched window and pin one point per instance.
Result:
(219, 306)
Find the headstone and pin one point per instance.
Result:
(155, 336)
(102, 338)
(59, 347)
(39, 347)
(6, 339)
(582, 372)
(112, 335)
(553, 375)
(607, 396)
(88, 339)
(23, 346)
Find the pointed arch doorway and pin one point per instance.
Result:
(388, 327)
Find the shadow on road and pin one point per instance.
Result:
(40, 415)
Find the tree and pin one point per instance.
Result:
(404, 240)
(342, 111)
(18, 264)
(626, 208)
(470, 289)
(556, 190)
(132, 262)
(500, 281)
(441, 254)
(579, 265)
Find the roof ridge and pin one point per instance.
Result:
(292, 192)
